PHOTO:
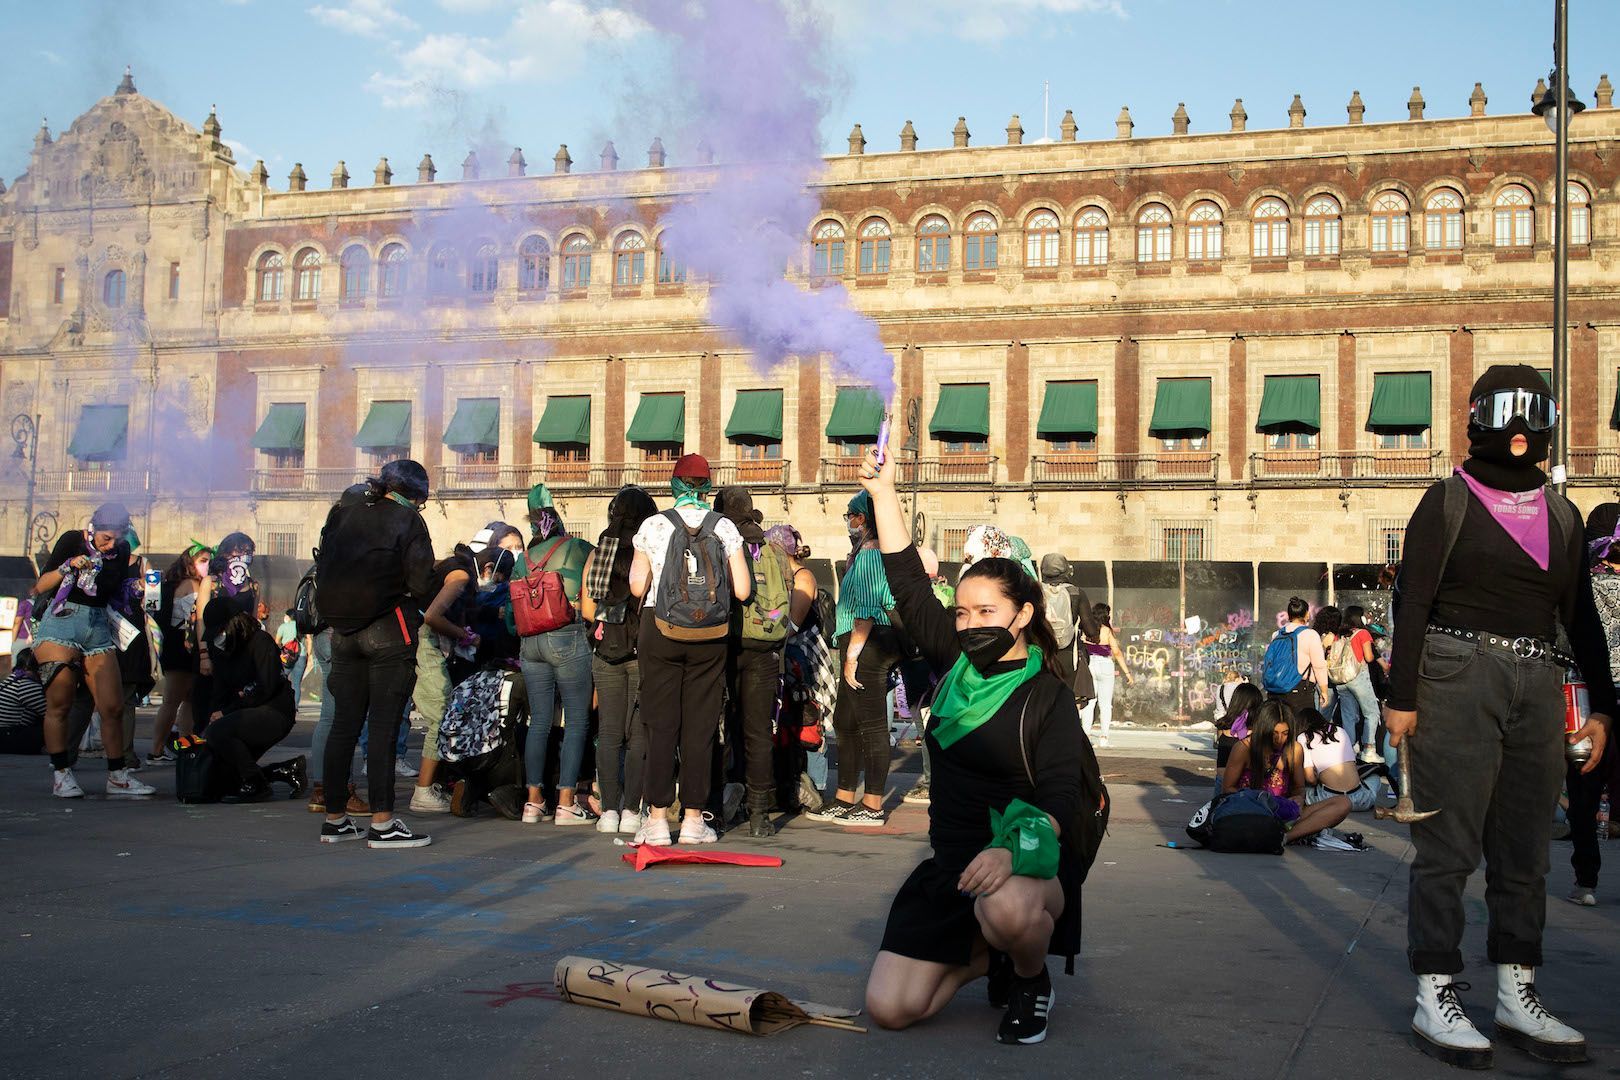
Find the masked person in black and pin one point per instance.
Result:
(1492, 568)
(375, 578)
(252, 708)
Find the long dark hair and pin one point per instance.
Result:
(1355, 617)
(1262, 729)
(180, 569)
(1328, 620)
(236, 541)
(1016, 585)
(1317, 727)
(628, 511)
(1103, 614)
(1245, 700)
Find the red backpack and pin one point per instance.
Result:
(539, 602)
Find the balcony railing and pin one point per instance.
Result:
(1377, 467)
(1594, 462)
(98, 481)
(303, 481)
(585, 476)
(977, 470)
(1093, 470)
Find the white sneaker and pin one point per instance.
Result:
(402, 768)
(1441, 1029)
(429, 800)
(534, 813)
(697, 831)
(630, 822)
(1583, 896)
(654, 831)
(1522, 1020)
(608, 822)
(64, 785)
(120, 785)
(575, 814)
(1371, 756)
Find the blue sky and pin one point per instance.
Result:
(359, 79)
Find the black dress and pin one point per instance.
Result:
(985, 769)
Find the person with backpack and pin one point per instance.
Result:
(375, 575)
(1102, 653)
(688, 568)
(1351, 665)
(1294, 667)
(1018, 803)
(1072, 610)
(810, 686)
(556, 657)
(1492, 569)
(760, 628)
(1271, 759)
(177, 618)
(610, 612)
(444, 630)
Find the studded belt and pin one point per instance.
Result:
(1525, 648)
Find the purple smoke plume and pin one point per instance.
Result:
(748, 78)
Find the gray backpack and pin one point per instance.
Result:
(693, 602)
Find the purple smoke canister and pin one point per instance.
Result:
(883, 440)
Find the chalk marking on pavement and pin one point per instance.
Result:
(1338, 969)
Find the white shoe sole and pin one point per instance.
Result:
(695, 840)
(431, 809)
(344, 839)
(1541, 1049)
(68, 794)
(414, 842)
(859, 823)
(1452, 1055)
(131, 794)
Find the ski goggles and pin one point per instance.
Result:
(1496, 410)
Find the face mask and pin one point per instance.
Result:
(1496, 447)
(985, 645)
(236, 573)
(202, 568)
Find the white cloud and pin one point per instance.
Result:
(52, 57)
(367, 18)
(969, 20)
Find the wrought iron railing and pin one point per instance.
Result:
(974, 470)
(97, 481)
(1594, 462)
(1094, 470)
(1379, 466)
(303, 481)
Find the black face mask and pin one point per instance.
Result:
(984, 646)
(1492, 462)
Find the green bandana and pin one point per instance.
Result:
(403, 501)
(689, 492)
(966, 699)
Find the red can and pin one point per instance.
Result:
(1577, 708)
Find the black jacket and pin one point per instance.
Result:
(375, 557)
(250, 677)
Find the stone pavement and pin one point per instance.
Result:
(155, 940)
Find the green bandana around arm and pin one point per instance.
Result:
(1027, 832)
(966, 699)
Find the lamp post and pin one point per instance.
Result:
(25, 433)
(1558, 108)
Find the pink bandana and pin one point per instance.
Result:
(1522, 514)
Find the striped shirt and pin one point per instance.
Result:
(22, 702)
(864, 592)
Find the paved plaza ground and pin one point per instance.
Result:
(156, 940)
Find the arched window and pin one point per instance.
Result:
(112, 289)
(1205, 233)
(979, 248)
(671, 268)
(875, 245)
(1041, 240)
(1322, 226)
(1515, 217)
(534, 265)
(1443, 221)
(1153, 234)
(933, 244)
(307, 275)
(484, 269)
(1390, 223)
(827, 250)
(1270, 229)
(442, 277)
(1091, 238)
(270, 279)
(629, 259)
(391, 268)
(576, 263)
(1580, 214)
(355, 265)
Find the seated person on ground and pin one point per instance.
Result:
(22, 708)
(1330, 762)
(252, 707)
(1271, 760)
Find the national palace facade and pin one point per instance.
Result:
(1241, 345)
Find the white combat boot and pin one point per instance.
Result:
(1523, 1021)
(1441, 1029)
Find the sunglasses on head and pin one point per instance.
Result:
(1496, 410)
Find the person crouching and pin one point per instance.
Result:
(252, 707)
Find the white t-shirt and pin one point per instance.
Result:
(1321, 755)
(652, 540)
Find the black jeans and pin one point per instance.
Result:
(373, 674)
(1300, 697)
(1584, 794)
(861, 718)
(681, 686)
(1488, 753)
(619, 733)
(240, 738)
(754, 678)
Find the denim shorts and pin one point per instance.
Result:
(76, 626)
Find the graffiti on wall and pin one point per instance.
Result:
(1178, 665)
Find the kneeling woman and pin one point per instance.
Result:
(1010, 766)
(1272, 760)
(252, 703)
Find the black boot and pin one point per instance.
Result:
(251, 792)
(293, 772)
(759, 813)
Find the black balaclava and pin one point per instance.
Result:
(1490, 453)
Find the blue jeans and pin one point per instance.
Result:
(296, 676)
(1349, 710)
(558, 661)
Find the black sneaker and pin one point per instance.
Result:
(999, 979)
(336, 832)
(1025, 1021)
(863, 817)
(833, 812)
(508, 802)
(395, 834)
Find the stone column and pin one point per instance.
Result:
(1584, 407)
(1237, 406)
(613, 411)
(1349, 409)
(1461, 369)
(524, 451)
(1018, 421)
(808, 447)
(434, 419)
(1127, 397)
(709, 390)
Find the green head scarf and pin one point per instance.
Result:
(690, 492)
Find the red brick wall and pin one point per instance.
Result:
(1350, 420)
(1462, 380)
(1585, 410)
(1127, 397)
(1238, 418)
(613, 413)
(807, 448)
(1019, 424)
(708, 395)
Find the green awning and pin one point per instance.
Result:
(1180, 406)
(387, 426)
(1291, 403)
(1400, 403)
(962, 410)
(566, 422)
(476, 425)
(1069, 409)
(756, 417)
(660, 418)
(102, 434)
(857, 411)
(282, 430)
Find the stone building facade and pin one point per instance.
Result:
(1245, 345)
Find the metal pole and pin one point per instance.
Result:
(1560, 356)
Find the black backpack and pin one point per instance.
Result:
(306, 617)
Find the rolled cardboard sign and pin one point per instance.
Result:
(650, 990)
